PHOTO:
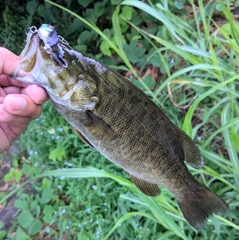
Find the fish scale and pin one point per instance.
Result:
(117, 119)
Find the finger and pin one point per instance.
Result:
(8, 61)
(6, 117)
(8, 90)
(7, 81)
(11, 90)
(5, 144)
(36, 93)
(22, 105)
(2, 95)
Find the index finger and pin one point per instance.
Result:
(6, 81)
(8, 63)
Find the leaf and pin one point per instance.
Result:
(227, 28)
(47, 219)
(15, 162)
(48, 210)
(35, 227)
(34, 205)
(84, 3)
(105, 48)
(20, 204)
(18, 175)
(218, 7)
(41, 10)
(90, 15)
(84, 36)
(29, 20)
(99, 8)
(155, 60)
(179, 4)
(21, 235)
(57, 154)
(31, 7)
(81, 48)
(25, 219)
(115, 2)
(8, 177)
(2, 234)
(127, 12)
(134, 52)
(46, 195)
(149, 81)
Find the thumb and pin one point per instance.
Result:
(15, 103)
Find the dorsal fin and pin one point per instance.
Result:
(146, 187)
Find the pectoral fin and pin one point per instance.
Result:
(146, 187)
(192, 154)
(84, 139)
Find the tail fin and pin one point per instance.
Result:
(197, 207)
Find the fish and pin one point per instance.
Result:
(120, 121)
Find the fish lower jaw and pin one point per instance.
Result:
(67, 103)
(22, 76)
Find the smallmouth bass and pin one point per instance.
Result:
(117, 119)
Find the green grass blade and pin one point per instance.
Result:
(217, 159)
(118, 39)
(162, 217)
(225, 118)
(157, 14)
(187, 124)
(227, 222)
(127, 216)
(87, 173)
(202, 67)
(223, 128)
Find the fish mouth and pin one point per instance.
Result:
(42, 58)
(27, 69)
(32, 44)
(44, 41)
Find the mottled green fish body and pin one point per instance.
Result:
(120, 121)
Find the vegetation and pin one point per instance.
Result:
(184, 55)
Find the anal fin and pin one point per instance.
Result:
(146, 187)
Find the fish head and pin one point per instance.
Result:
(48, 61)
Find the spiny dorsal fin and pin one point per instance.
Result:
(192, 154)
(146, 187)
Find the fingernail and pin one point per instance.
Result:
(18, 103)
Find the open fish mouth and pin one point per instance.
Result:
(40, 42)
(48, 61)
(32, 43)
(28, 57)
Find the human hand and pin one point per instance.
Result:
(19, 102)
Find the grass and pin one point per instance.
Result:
(85, 202)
